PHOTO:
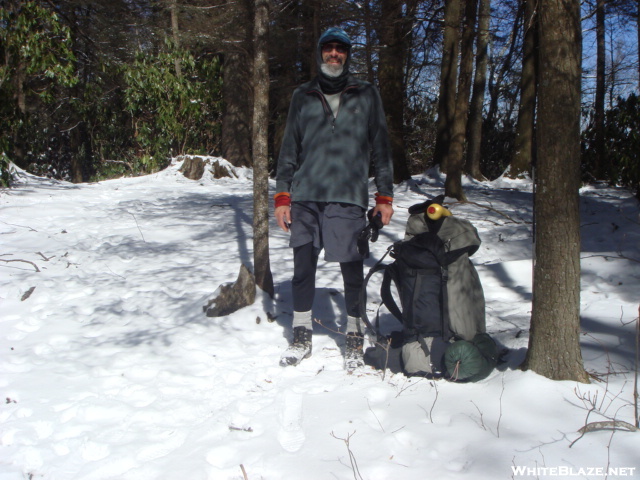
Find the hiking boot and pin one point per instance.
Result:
(354, 352)
(299, 349)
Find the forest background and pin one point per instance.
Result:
(93, 90)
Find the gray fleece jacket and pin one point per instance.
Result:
(327, 159)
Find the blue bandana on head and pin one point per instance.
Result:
(333, 84)
(335, 34)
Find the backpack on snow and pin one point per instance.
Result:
(442, 309)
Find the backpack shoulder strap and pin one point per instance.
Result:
(390, 275)
(444, 302)
(379, 266)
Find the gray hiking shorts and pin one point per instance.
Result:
(333, 227)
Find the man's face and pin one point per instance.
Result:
(334, 53)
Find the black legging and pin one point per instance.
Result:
(305, 264)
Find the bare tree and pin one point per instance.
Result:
(368, 22)
(524, 144)
(175, 30)
(599, 112)
(448, 81)
(554, 342)
(474, 127)
(236, 88)
(455, 154)
(261, 263)
(501, 69)
(394, 43)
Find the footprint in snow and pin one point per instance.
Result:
(291, 436)
(168, 442)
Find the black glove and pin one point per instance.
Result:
(370, 232)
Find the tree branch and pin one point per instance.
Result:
(609, 257)
(24, 261)
(492, 210)
(606, 425)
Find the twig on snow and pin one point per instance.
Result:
(376, 417)
(136, 220)
(23, 261)
(429, 413)
(612, 257)
(21, 226)
(500, 416)
(599, 407)
(27, 294)
(481, 415)
(606, 425)
(352, 458)
(244, 472)
(241, 429)
(409, 383)
(46, 259)
(433, 405)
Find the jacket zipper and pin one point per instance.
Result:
(327, 108)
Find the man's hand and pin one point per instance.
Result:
(386, 212)
(283, 217)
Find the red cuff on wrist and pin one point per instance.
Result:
(383, 199)
(282, 199)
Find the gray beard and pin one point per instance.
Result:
(332, 71)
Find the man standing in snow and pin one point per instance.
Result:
(335, 130)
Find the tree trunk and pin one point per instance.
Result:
(262, 267)
(316, 15)
(21, 78)
(236, 119)
(81, 145)
(20, 146)
(554, 342)
(176, 36)
(524, 145)
(495, 86)
(600, 162)
(82, 156)
(448, 82)
(455, 156)
(368, 30)
(236, 91)
(477, 97)
(391, 79)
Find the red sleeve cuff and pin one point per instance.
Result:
(282, 199)
(383, 199)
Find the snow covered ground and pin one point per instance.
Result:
(109, 368)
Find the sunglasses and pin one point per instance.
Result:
(338, 47)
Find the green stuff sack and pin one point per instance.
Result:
(471, 361)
